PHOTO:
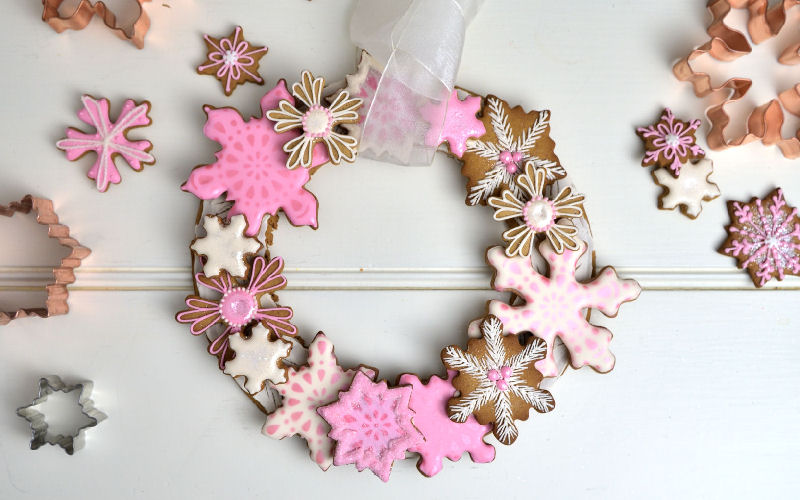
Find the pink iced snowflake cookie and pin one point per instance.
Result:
(239, 306)
(670, 143)
(764, 236)
(251, 167)
(109, 139)
(460, 123)
(555, 306)
(444, 438)
(315, 384)
(372, 425)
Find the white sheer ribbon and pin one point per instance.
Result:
(419, 44)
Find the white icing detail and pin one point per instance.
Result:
(225, 246)
(690, 189)
(257, 359)
(672, 140)
(317, 122)
(539, 214)
(506, 141)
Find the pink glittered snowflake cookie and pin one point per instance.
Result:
(372, 425)
(315, 384)
(239, 306)
(670, 143)
(555, 305)
(109, 139)
(764, 236)
(444, 438)
(251, 167)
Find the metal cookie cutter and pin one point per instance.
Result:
(64, 274)
(84, 13)
(765, 121)
(70, 443)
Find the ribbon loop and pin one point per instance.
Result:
(419, 45)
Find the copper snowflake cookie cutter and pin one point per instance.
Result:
(84, 13)
(726, 44)
(64, 274)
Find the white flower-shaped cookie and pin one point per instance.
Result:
(258, 359)
(689, 189)
(225, 246)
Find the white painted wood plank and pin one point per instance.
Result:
(700, 404)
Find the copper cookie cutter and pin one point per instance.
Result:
(84, 13)
(64, 274)
(727, 44)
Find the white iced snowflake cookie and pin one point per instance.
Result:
(689, 189)
(258, 359)
(225, 246)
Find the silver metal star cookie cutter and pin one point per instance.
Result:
(70, 443)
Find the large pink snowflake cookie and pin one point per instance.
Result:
(764, 236)
(372, 425)
(555, 305)
(251, 167)
(109, 139)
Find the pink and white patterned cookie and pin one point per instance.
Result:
(555, 306)
(307, 388)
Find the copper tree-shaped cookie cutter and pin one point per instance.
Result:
(84, 13)
(64, 274)
(727, 44)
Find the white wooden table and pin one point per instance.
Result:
(702, 402)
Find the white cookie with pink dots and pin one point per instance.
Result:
(555, 305)
(307, 388)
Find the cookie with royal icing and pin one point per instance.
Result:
(258, 358)
(764, 237)
(232, 60)
(513, 137)
(689, 190)
(225, 246)
(315, 384)
(497, 381)
(670, 143)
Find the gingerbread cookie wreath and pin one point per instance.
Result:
(349, 415)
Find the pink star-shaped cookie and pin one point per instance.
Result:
(555, 306)
(251, 167)
(460, 123)
(307, 388)
(371, 425)
(443, 437)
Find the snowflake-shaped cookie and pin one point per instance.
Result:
(764, 236)
(443, 437)
(258, 359)
(535, 213)
(670, 143)
(232, 60)
(555, 306)
(460, 123)
(513, 137)
(496, 380)
(251, 167)
(109, 140)
(317, 122)
(225, 246)
(239, 306)
(689, 190)
(371, 425)
(307, 388)
(391, 120)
